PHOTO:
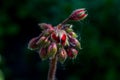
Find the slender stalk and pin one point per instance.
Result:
(65, 21)
(52, 68)
(53, 61)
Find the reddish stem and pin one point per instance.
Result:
(52, 68)
(65, 21)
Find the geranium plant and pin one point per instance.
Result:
(57, 43)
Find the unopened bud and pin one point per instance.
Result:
(52, 50)
(72, 53)
(75, 43)
(73, 34)
(59, 36)
(32, 43)
(48, 32)
(69, 53)
(78, 14)
(43, 53)
(47, 43)
(62, 36)
(41, 40)
(67, 26)
(55, 37)
(45, 26)
(63, 39)
(62, 56)
(67, 29)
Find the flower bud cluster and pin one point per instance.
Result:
(60, 41)
(56, 41)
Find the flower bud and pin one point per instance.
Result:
(47, 43)
(72, 53)
(41, 40)
(75, 43)
(78, 14)
(45, 26)
(73, 34)
(43, 53)
(62, 56)
(59, 36)
(69, 53)
(68, 28)
(55, 37)
(48, 32)
(63, 37)
(52, 50)
(32, 44)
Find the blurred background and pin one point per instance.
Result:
(99, 36)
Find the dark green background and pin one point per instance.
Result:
(99, 32)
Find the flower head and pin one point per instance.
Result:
(60, 41)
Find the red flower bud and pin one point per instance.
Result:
(43, 53)
(63, 39)
(69, 53)
(72, 53)
(48, 32)
(41, 40)
(32, 43)
(45, 26)
(59, 36)
(62, 56)
(52, 50)
(75, 43)
(55, 37)
(78, 14)
(73, 34)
